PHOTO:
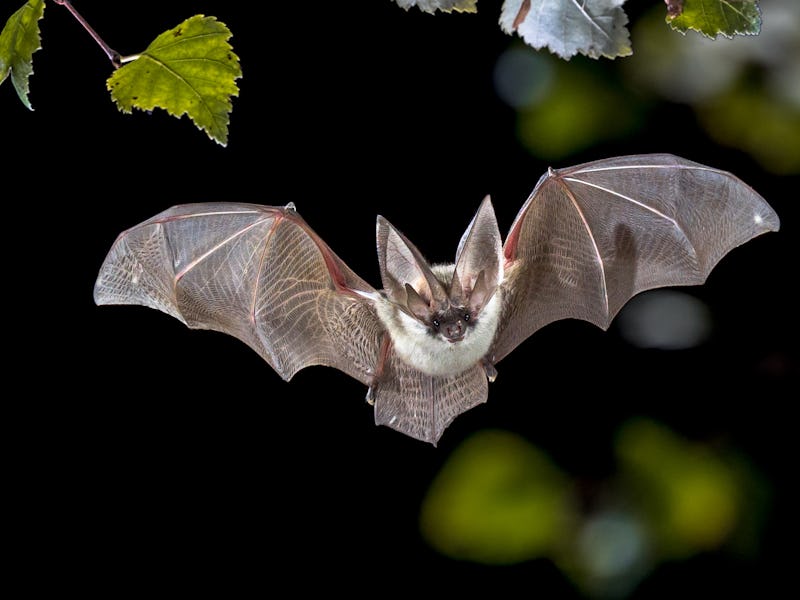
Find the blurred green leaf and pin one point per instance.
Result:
(581, 108)
(744, 91)
(693, 495)
(190, 70)
(431, 6)
(568, 27)
(775, 142)
(498, 499)
(718, 17)
(18, 41)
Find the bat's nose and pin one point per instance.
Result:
(454, 332)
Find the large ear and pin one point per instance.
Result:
(401, 263)
(479, 259)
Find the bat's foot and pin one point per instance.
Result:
(370, 396)
(488, 368)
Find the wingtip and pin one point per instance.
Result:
(766, 219)
(97, 291)
(773, 221)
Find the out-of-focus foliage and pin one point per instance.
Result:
(665, 319)
(692, 495)
(597, 28)
(745, 91)
(431, 6)
(499, 499)
(18, 41)
(563, 108)
(594, 28)
(190, 70)
(717, 17)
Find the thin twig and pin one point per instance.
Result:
(112, 54)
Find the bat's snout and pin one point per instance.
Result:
(453, 332)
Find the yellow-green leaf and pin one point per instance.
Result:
(694, 495)
(190, 70)
(497, 500)
(18, 41)
(716, 17)
(431, 6)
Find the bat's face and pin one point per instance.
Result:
(451, 319)
(452, 323)
(442, 318)
(443, 336)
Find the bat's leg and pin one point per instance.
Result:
(488, 368)
(379, 368)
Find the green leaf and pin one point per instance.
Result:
(718, 17)
(190, 70)
(497, 500)
(431, 6)
(582, 108)
(694, 495)
(567, 27)
(18, 41)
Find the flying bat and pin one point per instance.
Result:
(587, 239)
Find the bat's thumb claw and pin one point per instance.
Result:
(488, 368)
(370, 396)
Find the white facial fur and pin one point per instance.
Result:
(432, 354)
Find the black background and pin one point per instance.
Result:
(149, 455)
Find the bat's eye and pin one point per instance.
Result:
(435, 323)
(466, 317)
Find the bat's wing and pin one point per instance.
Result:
(592, 236)
(261, 274)
(258, 273)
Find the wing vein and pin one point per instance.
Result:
(179, 275)
(636, 167)
(599, 256)
(210, 213)
(261, 260)
(628, 198)
(275, 360)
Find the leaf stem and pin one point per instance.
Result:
(112, 54)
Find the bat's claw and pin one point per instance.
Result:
(488, 368)
(370, 396)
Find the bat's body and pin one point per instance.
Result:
(433, 354)
(587, 239)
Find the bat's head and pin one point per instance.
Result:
(447, 300)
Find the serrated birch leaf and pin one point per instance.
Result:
(718, 17)
(594, 28)
(431, 6)
(18, 41)
(189, 70)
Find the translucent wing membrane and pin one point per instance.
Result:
(592, 236)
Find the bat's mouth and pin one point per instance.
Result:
(454, 339)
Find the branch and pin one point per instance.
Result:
(112, 54)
